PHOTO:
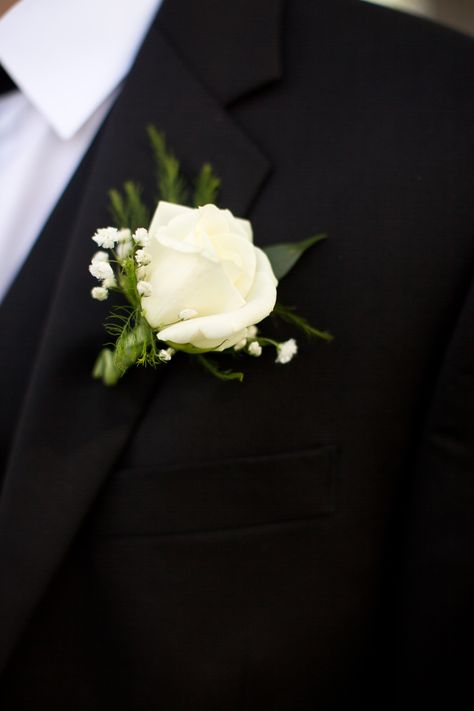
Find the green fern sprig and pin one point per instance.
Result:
(128, 209)
(150, 349)
(135, 341)
(289, 315)
(217, 372)
(206, 187)
(171, 185)
(127, 280)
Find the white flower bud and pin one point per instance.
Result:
(241, 344)
(100, 256)
(142, 257)
(122, 250)
(124, 244)
(255, 349)
(99, 293)
(142, 273)
(166, 354)
(252, 331)
(124, 235)
(101, 270)
(106, 237)
(144, 288)
(286, 351)
(141, 236)
(110, 283)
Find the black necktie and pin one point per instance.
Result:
(6, 82)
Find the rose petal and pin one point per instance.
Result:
(226, 324)
(186, 281)
(165, 212)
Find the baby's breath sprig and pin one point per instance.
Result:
(135, 341)
(253, 345)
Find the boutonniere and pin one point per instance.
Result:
(190, 279)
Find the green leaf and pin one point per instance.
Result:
(207, 186)
(284, 256)
(105, 368)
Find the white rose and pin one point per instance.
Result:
(203, 262)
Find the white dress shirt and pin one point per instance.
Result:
(68, 60)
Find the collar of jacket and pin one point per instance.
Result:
(233, 47)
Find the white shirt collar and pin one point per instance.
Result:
(68, 57)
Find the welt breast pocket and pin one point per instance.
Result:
(234, 493)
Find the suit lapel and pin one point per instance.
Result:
(72, 428)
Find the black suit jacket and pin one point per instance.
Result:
(303, 540)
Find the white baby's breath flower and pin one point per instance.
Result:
(142, 257)
(101, 270)
(124, 244)
(166, 354)
(123, 249)
(185, 314)
(286, 351)
(141, 236)
(99, 293)
(124, 235)
(106, 237)
(255, 349)
(144, 288)
(252, 331)
(100, 256)
(241, 344)
(110, 283)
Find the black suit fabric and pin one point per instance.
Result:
(304, 540)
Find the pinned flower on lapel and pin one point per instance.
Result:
(208, 282)
(193, 280)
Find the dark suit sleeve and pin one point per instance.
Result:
(436, 629)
